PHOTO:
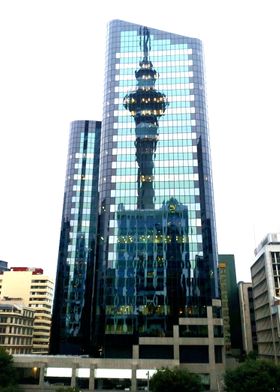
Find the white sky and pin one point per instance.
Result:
(51, 73)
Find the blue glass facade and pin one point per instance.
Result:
(76, 260)
(157, 256)
(147, 256)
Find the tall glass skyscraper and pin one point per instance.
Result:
(153, 274)
(158, 256)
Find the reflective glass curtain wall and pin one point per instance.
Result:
(76, 259)
(157, 256)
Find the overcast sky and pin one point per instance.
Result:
(51, 73)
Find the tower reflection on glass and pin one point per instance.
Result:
(149, 252)
(146, 105)
(146, 257)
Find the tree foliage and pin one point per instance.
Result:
(246, 357)
(11, 388)
(175, 380)
(8, 373)
(253, 376)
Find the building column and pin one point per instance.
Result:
(133, 378)
(176, 351)
(135, 351)
(42, 375)
(213, 368)
(73, 378)
(91, 377)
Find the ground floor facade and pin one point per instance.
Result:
(197, 344)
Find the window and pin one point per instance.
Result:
(194, 354)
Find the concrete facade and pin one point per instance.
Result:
(248, 323)
(36, 291)
(265, 274)
(91, 374)
(16, 327)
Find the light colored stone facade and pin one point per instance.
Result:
(36, 291)
(265, 274)
(16, 327)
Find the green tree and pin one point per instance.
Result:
(253, 376)
(175, 380)
(8, 373)
(245, 357)
(10, 388)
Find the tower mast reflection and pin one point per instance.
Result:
(146, 105)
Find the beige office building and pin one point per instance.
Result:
(16, 326)
(36, 291)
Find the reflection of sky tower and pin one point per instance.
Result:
(146, 105)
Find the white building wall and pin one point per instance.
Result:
(265, 283)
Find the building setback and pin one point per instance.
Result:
(265, 274)
(149, 289)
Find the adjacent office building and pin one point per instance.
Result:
(265, 274)
(137, 275)
(247, 315)
(16, 326)
(3, 266)
(36, 292)
(230, 304)
(72, 310)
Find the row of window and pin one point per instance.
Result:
(174, 139)
(16, 330)
(15, 340)
(176, 189)
(165, 126)
(160, 150)
(171, 146)
(125, 83)
(176, 87)
(183, 164)
(194, 251)
(184, 158)
(155, 239)
(17, 320)
(189, 180)
(188, 171)
(182, 63)
(133, 206)
(181, 67)
(45, 287)
(181, 50)
(129, 128)
(182, 75)
(184, 100)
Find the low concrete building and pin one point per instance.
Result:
(265, 274)
(16, 326)
(36, 291)
(197, 344)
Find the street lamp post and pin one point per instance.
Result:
(148, 380)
